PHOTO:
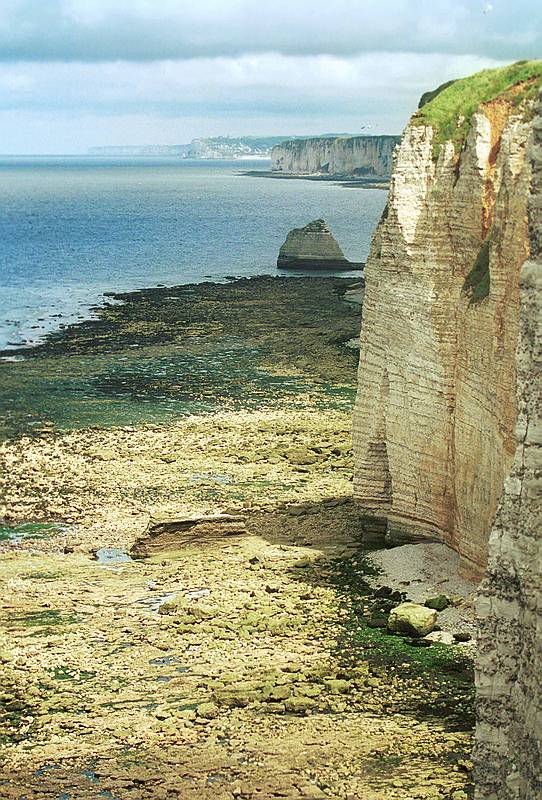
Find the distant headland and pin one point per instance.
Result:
(215, 147)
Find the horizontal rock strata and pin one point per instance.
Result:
(335, 155)
(172, 534)
(313, 247)
(509, 701)
(435, 413)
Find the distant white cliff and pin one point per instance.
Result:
(216, 147)
(335, 155)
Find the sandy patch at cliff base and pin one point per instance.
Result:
(424, 570)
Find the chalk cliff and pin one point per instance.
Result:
(509, 694)
(335, 155)
(434, 422)
(313, 247)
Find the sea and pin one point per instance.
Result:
(73, 228)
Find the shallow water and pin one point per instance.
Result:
(15, 534)
(112, 555)
(73, 228)
(152, 385)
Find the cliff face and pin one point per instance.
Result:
(313, 247)
(435, 414)
(346, 155)
(509, 700)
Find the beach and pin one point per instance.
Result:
(143, 664)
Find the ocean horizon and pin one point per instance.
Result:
(76, 227)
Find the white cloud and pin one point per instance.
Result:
(94, 30)
(222, 80)
(69, 107)
(122, 71)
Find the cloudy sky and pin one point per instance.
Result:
(78, 73)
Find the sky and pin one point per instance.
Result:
(81, 73)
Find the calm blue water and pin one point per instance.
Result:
(72, 228)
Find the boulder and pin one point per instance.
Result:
(441, 637)
(313, 247)
(299, 705)
(439, 603)
(412, 619)
(462, 636)
(208, 710)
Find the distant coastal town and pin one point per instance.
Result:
(207, 148)
(229, 147)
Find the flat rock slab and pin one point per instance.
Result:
(172, 534)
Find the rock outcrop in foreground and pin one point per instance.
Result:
(335, 155)
(313, 247)
(509, 731)
(434, 426)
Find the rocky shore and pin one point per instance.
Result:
(348, 181)
(249, 662)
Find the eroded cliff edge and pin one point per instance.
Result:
(509, 696)
(434, 422)
(335, 155)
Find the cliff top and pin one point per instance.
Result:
(316, 226)
(334, 137)
(451, 107)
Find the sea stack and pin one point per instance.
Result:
(313, 247)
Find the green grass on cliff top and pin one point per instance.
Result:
(449, 112)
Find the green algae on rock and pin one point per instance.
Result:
(412, 618)
(216, 664)
(163, 353)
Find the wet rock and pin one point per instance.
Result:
(298, 704)
(462, 636)
(438, 603)
(208, 710)
(301, 456)
(337, 686)
(412, 619)
(440, 637)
